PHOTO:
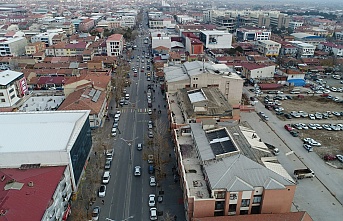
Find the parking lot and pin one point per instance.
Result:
(330, 140)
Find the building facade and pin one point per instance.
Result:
(13, 47)
(253, 34)
(268, 48)
(13, 86)
(115, 45)
(33, 48)
(216, 39)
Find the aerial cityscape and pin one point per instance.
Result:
(171, 110)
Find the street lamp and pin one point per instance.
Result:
(130, 217)
(129, 143)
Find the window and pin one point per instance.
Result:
(243, 212)
(11, 90)
(245, 202)
(1, 94)
(3, 100)
(257, 199)
(219, 205)
(219, 195)
(233, 196)
(232, 208)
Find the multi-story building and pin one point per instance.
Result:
(304, 49)
(13, 86)
(184, 19)
(268, 48)
(252, 34)
(86, 25)
(226, 22)
(194, 46)
(295, 24)
(330, 47)
(161, 23)
(52, 172)
(279, 20)
(216, 39)
(257, 70)
(339, 36)
(159, 40)
(288, 49)
(220, 178)
(13, 46)
(115, 45)
(33, 48)
(308, 38)
(44, 37)
(198, 75)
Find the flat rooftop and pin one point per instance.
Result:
(24, 131)
(42, 103)
(8, 76)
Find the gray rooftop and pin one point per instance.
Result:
(238, 172)
(8, 76)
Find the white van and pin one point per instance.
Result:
(127, 96)
(295, 91)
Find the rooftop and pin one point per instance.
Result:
(42, 103)
(20, 198)
(59, 128)
(8, 76)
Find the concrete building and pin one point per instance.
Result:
(86, 25)
(279, 20)
(164, 41)
(268, 48)
(257, 70)
(304, 49)
(252, 34)
(44, 37)
(222, 174)
(308, 38)
(13, 46)
(194, 46)
(339, 36)
(115, 45)
(216, 39)
(67, 140)
(198, 75)
(330, 47)
(13, 86)
(227, 22)
(33, 48)
(295, 24)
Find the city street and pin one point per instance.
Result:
(127, 195)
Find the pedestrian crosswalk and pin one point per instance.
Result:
(132, 110)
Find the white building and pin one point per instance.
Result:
(268, 48)
(45, 153)
(257, 71)
(304, 49)
(295, 24)
(216, 39)
(127, 21)
(13, 46)
(183, 19)
(44, 37)
(12, 87)
(253, 34)
(115, 45)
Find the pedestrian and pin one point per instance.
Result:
(103, 202)
(169, 155)
(175, 217)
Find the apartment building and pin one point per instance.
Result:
(295, 24)
(33, 48)
(330, 47)
(253, 34)
(161, 23)
(268, 48)
(257, 70)
(44, 37)
(13, 46)
(216, 39)
(339, 36)
(304, 49)
(279, 20)
(220, 178)
(13, 86)
(227, 22)
(308, 38)
(196, 74)
(86, 25)
(194, 46)
(115, 45)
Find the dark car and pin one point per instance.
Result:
(288, 116)
(294, 133)
(289, 97)
(108, 164)
(279, 113)
(329, 157)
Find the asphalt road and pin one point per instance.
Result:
(322, 196)
(127, 195)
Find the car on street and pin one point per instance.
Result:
(152, 200)
(153, 213)
(139, 146)
(152, 181)
(150, 134)
(102, 191)
(106, 177)
(137, 170)
(114, 132)
(95, 213)
(150, 124)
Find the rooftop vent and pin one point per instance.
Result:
(30, 184)
(3, 178)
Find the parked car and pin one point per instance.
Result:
(340, 158)
(153, 213)
(152, 181)
(329, 157)
(152, 200)
(288, 127)
(106, 177)
(294, 133)
(108, 164)
(288, 116)
(96, 213)
(102, 191)
(308, 147)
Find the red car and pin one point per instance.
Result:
(329, 157)
(288, 127)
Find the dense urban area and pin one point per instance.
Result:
(171, 110)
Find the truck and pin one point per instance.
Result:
(303, 173)
(273, 149)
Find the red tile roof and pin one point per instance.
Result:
(115, 37)
(51, 80)
(253, 66)
(34, 200)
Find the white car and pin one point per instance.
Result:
(152, 181)
(106, 177)
(95, 213)
(149, 111)
(102, 191)
(311, 116)
(153, 213)
(304, 126)
(312, 126)
(114, 132)
(118, 112)
(152, 200)
(137, 170)
(339, 157)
